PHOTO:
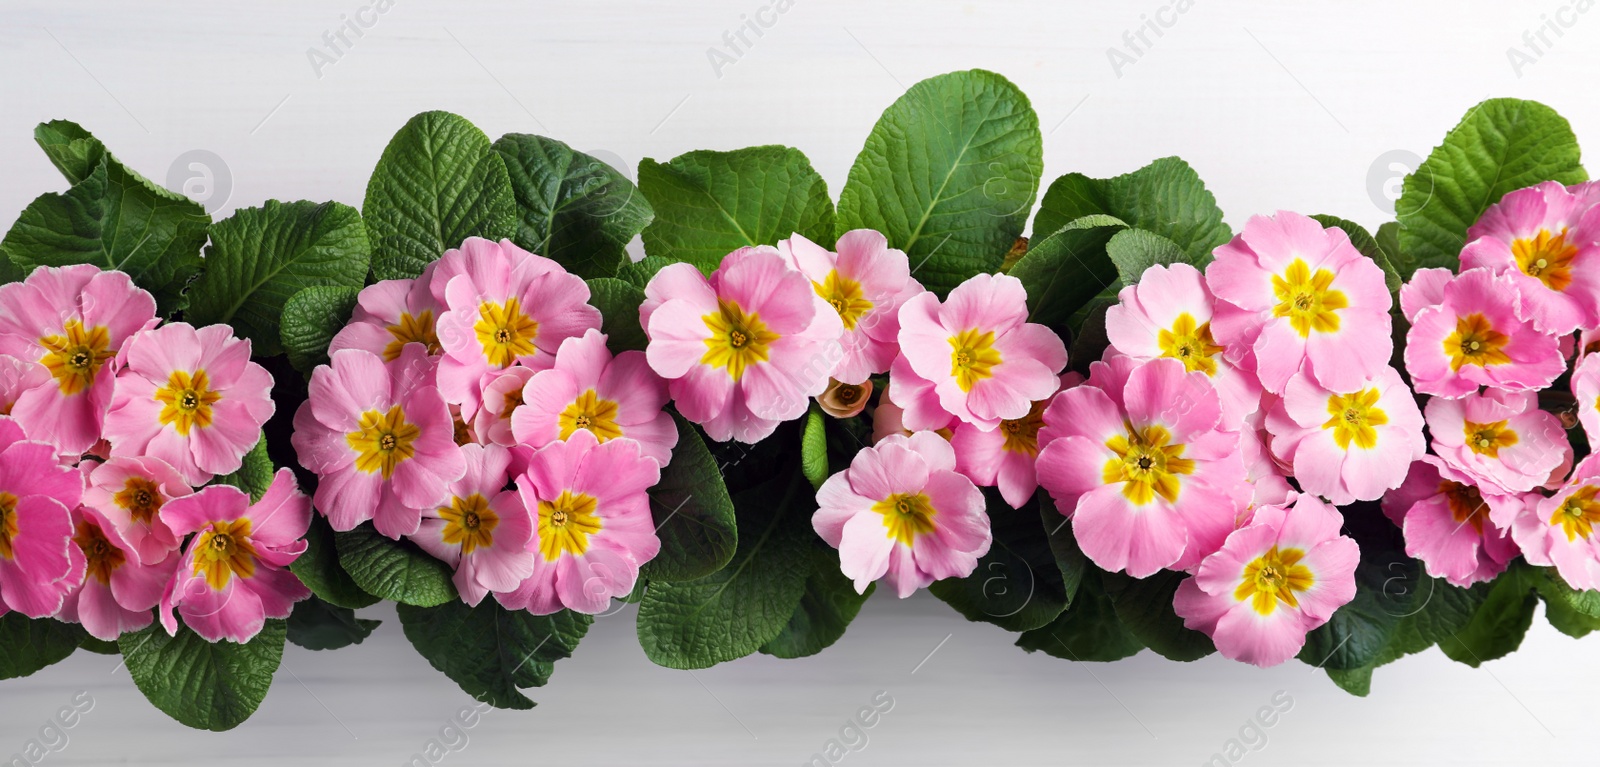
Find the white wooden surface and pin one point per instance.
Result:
(1278, 105)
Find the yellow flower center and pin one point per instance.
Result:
(844, 295)
(411, 329)
(1145, 464)
(8, 525)
(1578, 514)
(1272, 578)
(1307, 299)
(566, 523)
(972, 357)
(141, 497)
(186, 401)
(737, 340)
(1352, 418)
(222, 551)
(383, 440)
(1548, 257)
(504, 332)
(1476, 342)
(101, 558)
(1022, 434)
(590, 412)
(75, 356)
(1466, 504)
(1488, 438)
(1190, 343)
(469, 522)
(906, 515)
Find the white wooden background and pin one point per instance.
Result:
(1277, 104)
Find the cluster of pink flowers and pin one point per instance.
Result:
(477, 411)
(112, 421)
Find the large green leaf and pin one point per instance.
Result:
(396, 570)
(1166, 197)
(1429, 610)
(319, 569)
(1067, 269)
(949, 175)
(1135, 250)
(1144, 605)
(29, 644)
(74, 151)
(572, 207)
(639, 272)
(1501, 145)
(1018, 585)
(259, 257)
(735, 611)
(709, 204)
(318, 625)
(814, 447)
(1497, 627)
(829, 604)
(436, 184)
(693, 514)
(205, 685)
(491, 652)
(1089, 630)
(311, 318)
(618, 302)
(115, 219)
(1573, 612)
(1360, 630)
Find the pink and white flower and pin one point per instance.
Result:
(1272, 581)
(391, 314)
(379, 438)
(1350, 445)
(127, 494)
(1293, 295)
(191, 398)
(1446, 517)
(1559, 531)
(746, 349)
(1136, 456)
(593, 527)
(865, 282)
(1474, 338)
(118, 593)
(913, 400)
(1168, 314)
(234, 573)
(901, 512)
(36, 495)
(502, 394)
(986, 361)
(590, 390)
(503, 306)
(1544, 240)
(71, 320)
(484, 531)
(1005, 457)
(1501, 440)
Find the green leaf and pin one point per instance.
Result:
(115, 219)
(693, 514)
(98, 646)
(1359, 631)
(395, 570)
(1498, 625)
(1368, 246)
(491, 652)
(260, 257)
(1571, 611)
(1135, 250)
(571, 207)
(709, 204)
(311, 318)
(317, 625)
(738, 609)
(1018, 584)
(1070, 560)
(1068, 268)
(639, 272)
(1356, 681)
(255, 473)
(1165, 197)
(436, 184)
(29, 644)
(319, 569)
(1089, 630)
(1501, 145)
(948, 174)
(205, 685)
(1388, 239)
(814, 447)
(74, 151)
(1145, 607)
(618, 302)
(829, 604)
